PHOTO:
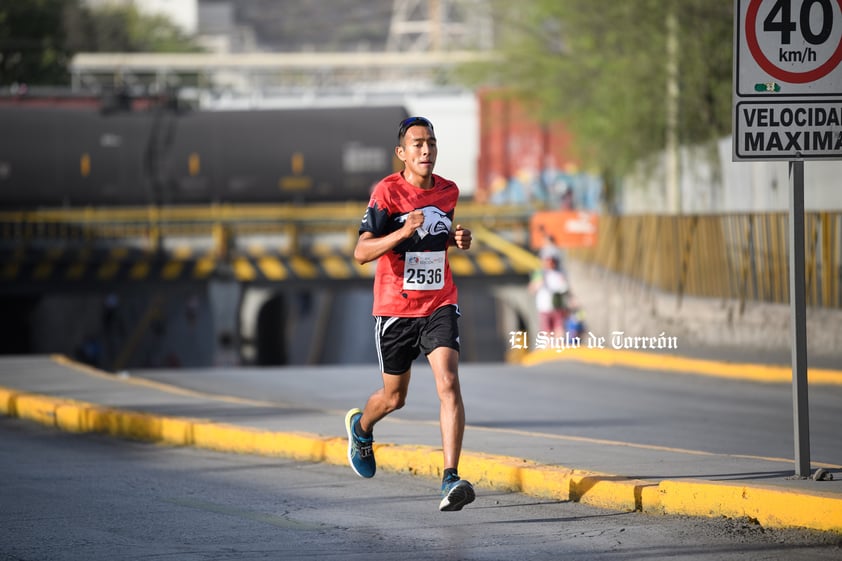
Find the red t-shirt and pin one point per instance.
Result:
(414, 288)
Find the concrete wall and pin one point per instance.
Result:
(144, 327)
(704, 327)
(185, 327)
(730, 186)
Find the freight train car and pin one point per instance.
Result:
(58, 157)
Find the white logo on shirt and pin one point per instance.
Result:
(435, 221)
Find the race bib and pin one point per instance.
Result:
(423, 270)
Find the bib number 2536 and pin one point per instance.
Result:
(423, 270)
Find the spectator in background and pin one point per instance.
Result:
(567, 200)
(551, 290)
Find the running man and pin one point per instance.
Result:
(408, 227)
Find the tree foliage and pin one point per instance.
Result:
(32, 42)
(601, 66)
(39, 37)
(116, 28)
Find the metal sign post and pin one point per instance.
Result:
(797, 304)
(788, 106)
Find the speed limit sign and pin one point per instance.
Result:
(789, 47)
(788, 79)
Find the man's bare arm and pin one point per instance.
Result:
(369, 247)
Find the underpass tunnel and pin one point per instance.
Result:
(271, 335)
(332, 324)
(226, 323)
(306, 325)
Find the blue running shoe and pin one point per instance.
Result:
(360, 450)
(456, 493)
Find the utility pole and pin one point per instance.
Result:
(673, 188)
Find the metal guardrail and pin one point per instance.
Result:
(249, 243)
(732, 256)
(224, 224)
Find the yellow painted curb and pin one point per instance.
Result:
(664, 362)
(771, 507)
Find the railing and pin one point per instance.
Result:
(293, 227)
(733, 256)
(729, 256)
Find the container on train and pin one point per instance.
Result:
(54, 156)
(524, 161)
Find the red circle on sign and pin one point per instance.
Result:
(769, 66)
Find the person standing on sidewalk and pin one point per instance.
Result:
(552, 293)
(407, 228)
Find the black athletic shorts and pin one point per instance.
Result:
(400, 340)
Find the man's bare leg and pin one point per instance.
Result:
(445, 364)
(389, 398)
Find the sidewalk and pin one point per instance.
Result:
(60, 393)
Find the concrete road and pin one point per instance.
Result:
(555, 400)
(93, 498)
(617, 436)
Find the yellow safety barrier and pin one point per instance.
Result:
(735, 256)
